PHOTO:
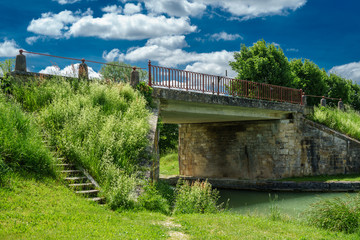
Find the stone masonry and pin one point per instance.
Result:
(269, 149)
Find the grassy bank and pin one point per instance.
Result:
(169, 164)
(346, 122)
(51, 211)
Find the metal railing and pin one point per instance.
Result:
(211, 84)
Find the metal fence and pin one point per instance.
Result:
(211, 84)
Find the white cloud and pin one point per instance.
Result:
(247, 9)
(9, 48)
(131, 8)
(169, 54)
(133, 27)
(178, 8)
(63, 2)
(69, 71)
(292, 50)
(113, 55)
(32, 40)
(112, 9)
(51, 24)
(225, 36)
(169, 42)
(348, 71)
(244, 9)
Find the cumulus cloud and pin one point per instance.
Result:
(8, 48)
(113, 55)
(131, 8)
(63, 2)
(130, 27)
(31, 40)
(225, 36)
(112, 9)
(51, 24)
(348, 71)
(169, 42)
(69, 71)
(111, 25)
(244, 9)
(168, 52)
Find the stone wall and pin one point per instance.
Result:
(265, 150)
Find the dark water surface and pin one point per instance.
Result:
(290, 203)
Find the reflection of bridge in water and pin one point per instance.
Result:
(237, 129)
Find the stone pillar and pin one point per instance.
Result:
(83, 70)
(20, 64)
(340, 105)
(323, 102)
(304, 99)
(135, 78)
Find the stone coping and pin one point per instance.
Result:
(272, 185)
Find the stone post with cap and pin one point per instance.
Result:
(135, 78)
(323, 102)
(20, 63)
(340, 105)
(83, 70)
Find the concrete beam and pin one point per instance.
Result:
(193, 107)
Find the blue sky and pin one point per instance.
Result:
(196, 35)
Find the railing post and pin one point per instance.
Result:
(149, 64)
(20, 63)
(303, 99)
(218, 87)
(340, 105)
(323, 101)
(169, 78)
(135, 78)
(83, 70)
(186, 81)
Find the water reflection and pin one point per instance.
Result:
(291, 203)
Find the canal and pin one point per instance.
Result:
(290, 203)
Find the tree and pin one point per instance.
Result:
(120, 72)
(263, 63)
(340, 88)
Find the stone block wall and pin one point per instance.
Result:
(265, 150)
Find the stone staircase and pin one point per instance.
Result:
(79, 180)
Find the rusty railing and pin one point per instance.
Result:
(211, 84)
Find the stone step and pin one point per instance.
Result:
(71, 171)
(75, 178)
(96, 199)
(87, 191)
(64, 165)
(82, 185)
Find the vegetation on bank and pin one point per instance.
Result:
(52, 211)
(169, 164)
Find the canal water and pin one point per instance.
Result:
(289, 203)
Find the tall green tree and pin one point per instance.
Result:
(120, 72)
(309, 77)
(340, 88)
(262, 62)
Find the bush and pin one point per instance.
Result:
(151, 199)
(21, 146)
(336, 214)
(197, 197)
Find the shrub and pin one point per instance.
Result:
(197, 197)
(21, 146)
(336, 214)
(151, 199)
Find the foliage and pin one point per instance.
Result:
(151, 199)
(146, 91)
(5, 68)
(120, 72)
(263, 63)
(197, 197)
(336, 214)
(21, 146)
(169, 137)
(309, 77)
(169, 164)
(275, 214)
(347, 122)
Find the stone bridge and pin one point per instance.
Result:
(240, 138)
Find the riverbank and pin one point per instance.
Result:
(273, 185)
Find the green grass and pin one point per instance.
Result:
(325, 178)
(346, 122)
(45, 209)
(169, 164)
